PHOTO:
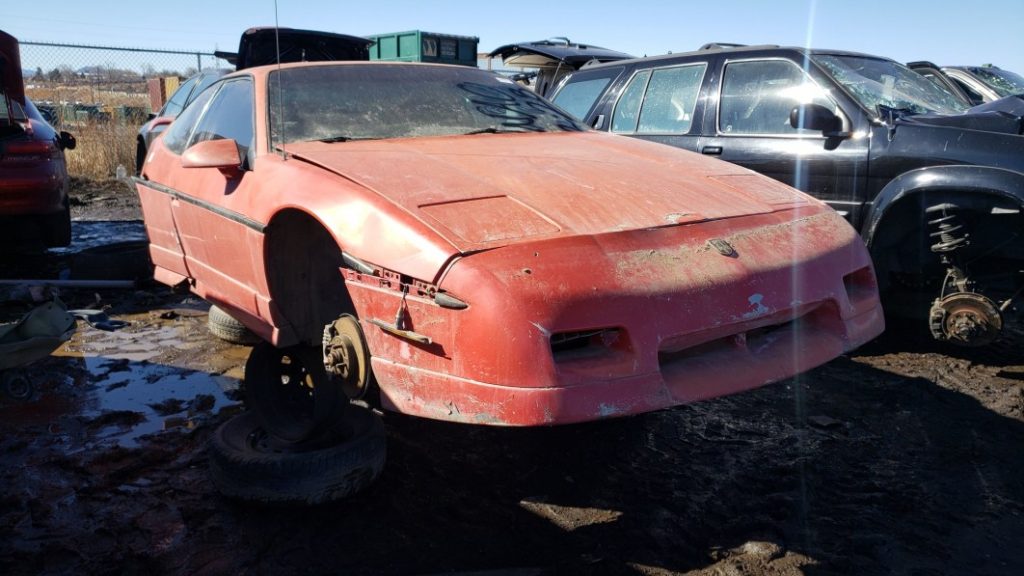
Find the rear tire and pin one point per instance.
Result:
(249, 464)
(224, 326)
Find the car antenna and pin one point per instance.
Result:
(280, 79)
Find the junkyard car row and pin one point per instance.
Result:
(462, 249)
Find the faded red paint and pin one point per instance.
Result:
(539, 234)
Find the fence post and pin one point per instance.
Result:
(199, 62)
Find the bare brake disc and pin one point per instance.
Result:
(965, 318)
(346, 356)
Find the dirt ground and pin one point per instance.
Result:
(902, 458)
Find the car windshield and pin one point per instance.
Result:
(336, 103)
(878, 83)
(1004, 82)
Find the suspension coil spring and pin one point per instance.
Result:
(948, 229)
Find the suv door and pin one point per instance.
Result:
(750, 126)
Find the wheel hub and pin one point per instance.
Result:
(346, 356)
(966, 318)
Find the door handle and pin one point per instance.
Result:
(711, 150)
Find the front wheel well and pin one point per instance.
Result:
(302, 262)
(900, 242)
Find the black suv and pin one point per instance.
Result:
(936, 190)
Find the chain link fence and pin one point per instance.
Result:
(102, 94)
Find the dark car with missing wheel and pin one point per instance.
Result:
(936, 189)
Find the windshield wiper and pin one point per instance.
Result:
(492, 130)
(339, 138)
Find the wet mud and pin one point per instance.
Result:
(903, 457)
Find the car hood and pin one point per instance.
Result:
(548, 53)
(490, 190)
(1005, 115)
(11, 82)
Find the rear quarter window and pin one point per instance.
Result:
(579, 96)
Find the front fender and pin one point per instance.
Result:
(972, 187)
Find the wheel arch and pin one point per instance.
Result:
(905, 198)
(302, 257)
(971, 187)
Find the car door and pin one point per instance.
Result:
(660, 105)
(210, 209)
(750, 126)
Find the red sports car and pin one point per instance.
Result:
(446, 239)
(34, 204)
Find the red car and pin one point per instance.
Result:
(446, 239)
(34, 204)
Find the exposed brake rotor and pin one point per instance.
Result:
(346, 356)
(965, 318)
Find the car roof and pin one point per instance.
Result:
(730, 49)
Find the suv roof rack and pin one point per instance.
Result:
(728, 45)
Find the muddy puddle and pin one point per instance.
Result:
(116, 388)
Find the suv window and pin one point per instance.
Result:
(578, 98)
(757, 97)
(670, 99)
(627, 109)
(229, 116)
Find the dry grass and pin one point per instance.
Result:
(102, 146)
(127, 95)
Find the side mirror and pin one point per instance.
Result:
(221, 154)
(67, 141)
(817, 117)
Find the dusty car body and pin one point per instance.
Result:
(34, 204)
(553, 59)
(506, 266)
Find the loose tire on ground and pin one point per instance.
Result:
(224, 326)
(248, 464)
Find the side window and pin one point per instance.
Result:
(229, 115)
(177, 135)
(758, 96)
(174, 106)
(627, 110)
(204, 82)
(578, 98)
(670, 99)
(973, 94)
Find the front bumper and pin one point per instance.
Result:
(678, 320)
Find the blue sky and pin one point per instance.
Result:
(942, 31)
